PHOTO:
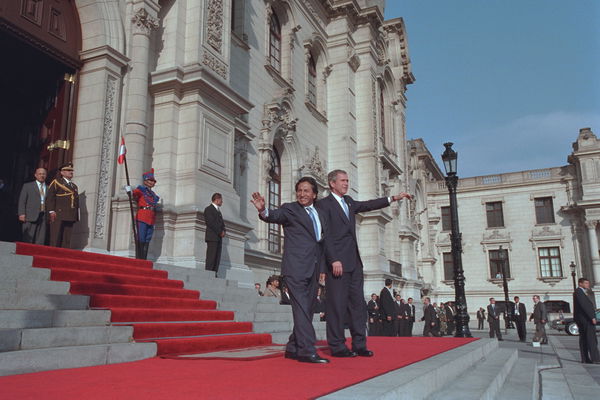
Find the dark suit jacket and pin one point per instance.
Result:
(63, 199)
(539, 313)
(341, 244)
(430, 315)
(493, 315)
(522, 313)
(373, 313)
(30, 201)
(214, 224)
(583, 307)
(302, 254)
(388, 305)
(411, 312)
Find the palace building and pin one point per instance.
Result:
(238, 96)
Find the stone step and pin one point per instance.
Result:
(522, 383)
(32, 286)
(274, 316)
(27, 339)
(26, 361)
(22, 319)
(15, 260)
(8, 248)
(14, 272)
(273, 327)
(484, 380)
(32, 301)
(422, 379)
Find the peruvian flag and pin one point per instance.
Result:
(122, 151)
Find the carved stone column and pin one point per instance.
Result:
(593, 238)
(136, 122)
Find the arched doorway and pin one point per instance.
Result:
(40, 43)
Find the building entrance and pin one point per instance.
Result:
(36, 114)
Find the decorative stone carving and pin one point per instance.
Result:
(282, 115)
(495, 235)
(545, 231)
(327, 71)
(105, 159)
(214, 30)
(144, 22)
(315, 167)
(213, 63)
(591, 224)
(354, 61)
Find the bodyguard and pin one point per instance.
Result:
(32, 208)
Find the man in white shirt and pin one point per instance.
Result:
(31, 208)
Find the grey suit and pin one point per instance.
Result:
(539, 314)
(302, 262)
(30, 205)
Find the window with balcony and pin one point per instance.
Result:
(497, 258)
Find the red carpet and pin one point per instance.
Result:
(276, 378)
(143, 297)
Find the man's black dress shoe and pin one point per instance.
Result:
(289, 354)
(344, 353)
(364, 353)
(315, 359)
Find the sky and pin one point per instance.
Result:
(509, 82)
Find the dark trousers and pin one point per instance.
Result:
(375, 327)
(409, 327)
(495, 328)
(431, 330)
(389, 327)
(588, 342)
(402, 325)
(303, 293)
(480, 323)
(521, 329)
(540, 332)
(60, 233)
(145, 232)
(213, 256)
(345, 296)
(35, 231)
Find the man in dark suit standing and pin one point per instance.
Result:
(373, 309)
(345, 269)
(31, 208)
(302, 264)
(215, 231)
(402, 317)
(584, 313)
(539, 317)
(520, 315)
(411, 316)
(430, 318)
(62, 203)
(494, 319)
(388, 309)
(450, 315)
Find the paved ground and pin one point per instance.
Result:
(562, 376)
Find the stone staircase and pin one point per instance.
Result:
(42, 327)
(265, 313)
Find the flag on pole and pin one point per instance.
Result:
(122, 151)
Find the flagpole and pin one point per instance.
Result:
(133, 224)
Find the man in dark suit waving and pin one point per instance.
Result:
(215, 231)
(302, 263)
(345, 269)
(584, 313)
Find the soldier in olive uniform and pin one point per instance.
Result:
(62, 201)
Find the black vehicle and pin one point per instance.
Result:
(568, 324)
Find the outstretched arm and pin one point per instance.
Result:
(376, 204)
(277, 216)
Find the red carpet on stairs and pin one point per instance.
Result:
(276, 378)
(143, 297)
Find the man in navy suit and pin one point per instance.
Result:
(345, 269)
(584, 313)
(302, 264)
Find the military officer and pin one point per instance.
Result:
(62, 203)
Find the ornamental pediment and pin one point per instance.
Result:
(496, 235)
(545, 232)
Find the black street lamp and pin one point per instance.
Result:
(462, 316)
(508, 310)
(573, 274)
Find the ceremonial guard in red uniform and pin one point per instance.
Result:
(147, 202)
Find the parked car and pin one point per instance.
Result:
(568, 324)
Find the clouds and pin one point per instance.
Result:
(528, 142)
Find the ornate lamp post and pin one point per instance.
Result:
(573, 274)
(508, 311)
(462, 317)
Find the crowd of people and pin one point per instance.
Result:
(390, 314)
